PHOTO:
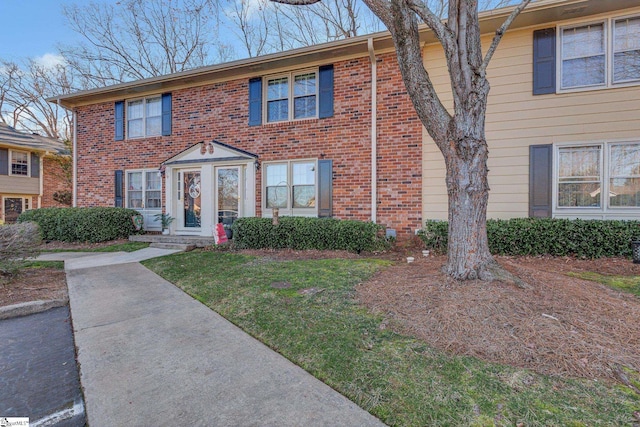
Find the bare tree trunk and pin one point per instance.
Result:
(468, 193)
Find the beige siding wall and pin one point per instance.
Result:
(516, 119)
(19, 185)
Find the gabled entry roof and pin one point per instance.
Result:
(209, 152)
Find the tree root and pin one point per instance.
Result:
(488, 272)
(499, 273)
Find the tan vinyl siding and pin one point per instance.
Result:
(19, 185)
(517, 119)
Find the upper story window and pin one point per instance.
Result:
(583, 56)
(19, 163)
(150, 116)
(144, 117)
(626, 49)
(292, 96)
(600, 54)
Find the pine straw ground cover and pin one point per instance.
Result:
(558, 325)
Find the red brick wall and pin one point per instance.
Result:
(220, 112)
(54, 180)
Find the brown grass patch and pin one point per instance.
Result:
(33, 284)
(561, 326)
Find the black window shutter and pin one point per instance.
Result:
(540, 178)
(119, 120)
(325, 79)
(325, 188)
(35, 165)
(4, 161)
(255, 101)
(166, 114)
(118, 189)
(544, 61)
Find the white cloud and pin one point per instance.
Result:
(50, 60)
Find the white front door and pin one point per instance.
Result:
(189, 200)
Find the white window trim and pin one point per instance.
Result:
(28, 175)
(604, 208)
(291, 78)
(144, 189)
(23, 197)
(609, 57)
(289, 210)
(144, 116)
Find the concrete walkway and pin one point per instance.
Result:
(151, 355)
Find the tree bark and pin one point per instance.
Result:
(468, 193)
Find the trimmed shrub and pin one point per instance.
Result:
(82, 224)
(17, 242)
(308, 233)
(546, 236)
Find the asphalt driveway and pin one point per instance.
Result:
(38, 371)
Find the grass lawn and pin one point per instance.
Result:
(59, 265)
(119, 247)
(629, 284)
(316, 323)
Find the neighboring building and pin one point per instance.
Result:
(30, 172)
(563, 118)
(329, 130)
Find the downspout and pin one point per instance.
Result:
(374, 131)
(41, 175)
(74, 148)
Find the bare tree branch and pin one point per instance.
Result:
(500, 32)
(135, 39)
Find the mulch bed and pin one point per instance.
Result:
(559, 325)
(34, 284)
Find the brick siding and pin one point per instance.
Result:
(54, 180)
(220, 111)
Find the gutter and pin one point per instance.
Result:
(374, 131)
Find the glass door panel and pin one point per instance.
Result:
(228, 194)
(12, 209)
(191, 199)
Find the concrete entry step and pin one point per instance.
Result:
(178, 246)
(197, 241)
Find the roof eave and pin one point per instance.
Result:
(537, 13)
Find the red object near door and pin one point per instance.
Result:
(221, 236)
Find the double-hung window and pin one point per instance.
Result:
(579, 176)
(583, 56)
(291, 186)
(604, 176)
(624, 175)
(144, 190)
(626, 49)
(19, 163)
(600, 54)
(292, 96)
(144, 117)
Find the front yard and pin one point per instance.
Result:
(415, 349)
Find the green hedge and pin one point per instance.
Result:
(82, 224)
(308, 233)
(545, 236)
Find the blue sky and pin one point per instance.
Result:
(32, 28)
